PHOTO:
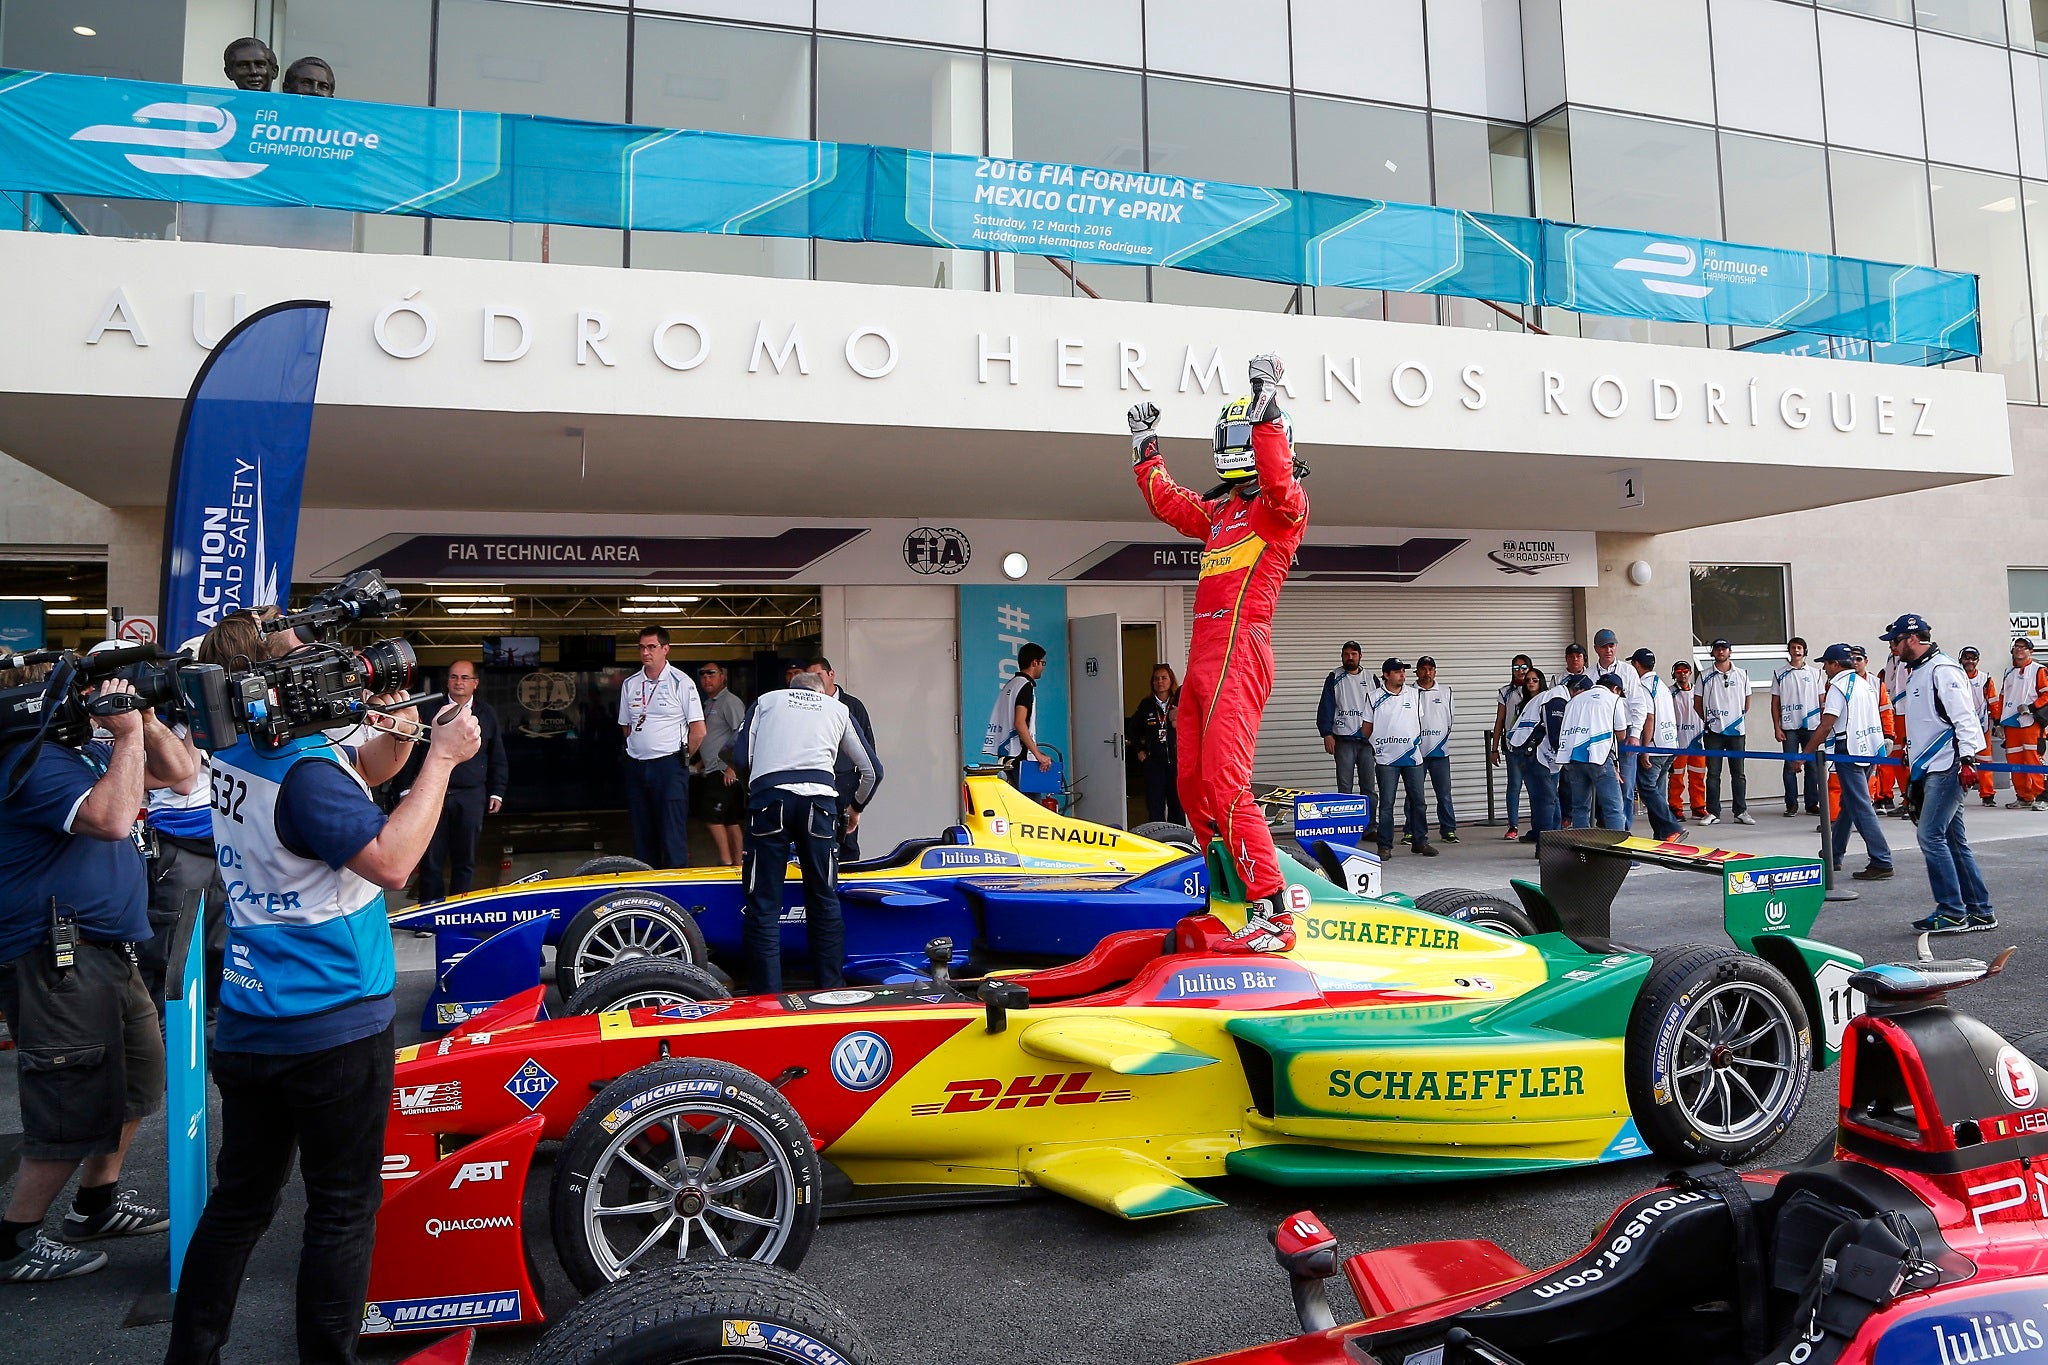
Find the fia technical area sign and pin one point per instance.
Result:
(936, 550)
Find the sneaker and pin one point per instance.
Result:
(1876, 872)
(1791, 811)
(1450, 836)
(1512, 833)
(1813, 810)
(1710, 819)
(1531, 837)
(1990, 802)
(1267, 929)
(1744, 818)
(1883, 805)
(1938, 923)
(2019, 805)
(44, 1259)
(1386, 852)
(127, 1216)
(1425, 850)
(1987, 920)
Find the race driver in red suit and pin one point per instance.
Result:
(1249, 526)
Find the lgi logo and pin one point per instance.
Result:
(861, 1061)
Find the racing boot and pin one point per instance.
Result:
(1268, 928)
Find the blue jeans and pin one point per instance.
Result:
(1816, 785)
(1543, 808)
(1655, 786)
(1951, 868)
(1354, 762)
(1417, 825)
(1858, 813)
(1439, 770)
(779, 823)
(1595, 791)
(1517, 780)
(658, 803)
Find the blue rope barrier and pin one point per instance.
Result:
(1861, 762)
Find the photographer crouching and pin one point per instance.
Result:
(302, 1051)
(74, 902)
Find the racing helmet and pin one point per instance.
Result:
(1233, 449)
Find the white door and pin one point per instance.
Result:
(1095, 688)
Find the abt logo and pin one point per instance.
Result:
(207, 130)
(1665, 264)
(1023, 1092)
(477, 1172)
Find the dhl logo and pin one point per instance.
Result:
(1023, 1092)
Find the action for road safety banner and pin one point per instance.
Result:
(88, 135)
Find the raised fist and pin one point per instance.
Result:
(1142, 418)
(1266, 371)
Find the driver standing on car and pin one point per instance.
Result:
(790, 743)
(1250, 525)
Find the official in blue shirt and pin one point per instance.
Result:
(85, 1032)
(303, 1048)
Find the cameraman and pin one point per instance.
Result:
(302, 1052)
(73, 903)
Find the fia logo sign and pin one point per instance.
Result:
(861, 1061)
(936, 550)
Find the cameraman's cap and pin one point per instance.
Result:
(1841, 654)
(1353, 646)
(1605, 637)
(1912, 623)
(1643, 657)
(1574, 648)
(1426, 659)
(1393, 666)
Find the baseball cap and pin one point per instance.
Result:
(1351, 644)
(1605, 637)
(1685, 664)
(1574, 648)
(1858, 652)
(1429, 659)
(1614, 681)
(1393, 664)
(1643, 657)
(2023, 640)
(1970, 652)
(1838, 654)
(1577, 682)
(1911, 623)
(1721, 644)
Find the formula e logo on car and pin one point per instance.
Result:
(435, 1097)
(410, 1315)
(212, 128)
(1670, 259)
(398, 1168)
(1023, 1092)
(861, 1061)
(477, 1172)
(936, 549)
(2016, 1077)
(530, 1084)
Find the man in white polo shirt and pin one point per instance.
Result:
(1795, 713)
(1724, 705)
(1850, 724)
(663, 717)
(1395, 731)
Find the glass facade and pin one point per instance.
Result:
(1869, 127)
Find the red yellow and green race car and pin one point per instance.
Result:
(1391, 1044)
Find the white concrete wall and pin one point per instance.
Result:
(897, 649)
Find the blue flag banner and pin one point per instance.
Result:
(185, 1082)
(232, 517)
(89, 135)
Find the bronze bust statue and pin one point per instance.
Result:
(309, 76)
(249, 64)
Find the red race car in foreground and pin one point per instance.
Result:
(1918, 1237)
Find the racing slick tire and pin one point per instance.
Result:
(610, 863)
(1717, 1055)
(1167, 832)
(731, 1310)
(684, 1158)
(626, 925)
(646, 983)
(1476, 907)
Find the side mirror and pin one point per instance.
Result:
(1307, 1250)
(1000, 997)
(938, 954)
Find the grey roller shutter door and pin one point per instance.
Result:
(1471, 632)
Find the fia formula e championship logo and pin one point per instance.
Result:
(183, 128)
(1665, 266)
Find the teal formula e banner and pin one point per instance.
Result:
(63, 134)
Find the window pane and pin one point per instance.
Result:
(1971, 18)
(2028, 589)
(1743, 604)
(138, 40)
(896, 96)
(1367, 151)
(1219, 132)
(1881, 208)
(1643, 174)
(1043, 111)
(1901, 10)
(1978, 226)
(377, 49)
(532, 59)
(2029, 24)
(723, 80)
(1482, 166)
(1775, 193)
(2036, 204)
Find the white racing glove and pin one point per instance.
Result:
(1143, 420)
(1266, 372)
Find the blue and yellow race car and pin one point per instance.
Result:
(615, 912)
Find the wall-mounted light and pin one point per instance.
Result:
(1639, 573)
(1015, 565)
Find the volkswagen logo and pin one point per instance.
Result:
(861, 1061)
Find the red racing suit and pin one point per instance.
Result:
(1248, 547)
